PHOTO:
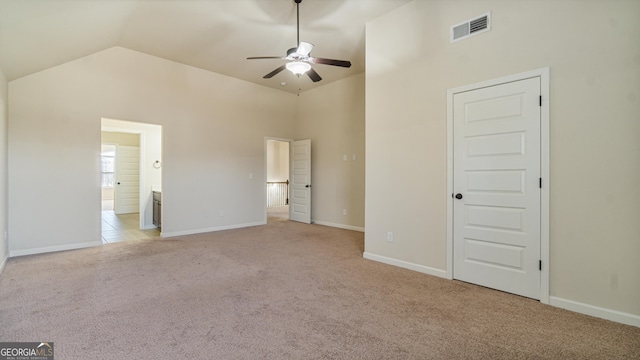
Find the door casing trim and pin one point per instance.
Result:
(543, 74)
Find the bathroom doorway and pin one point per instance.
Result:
(131, 171)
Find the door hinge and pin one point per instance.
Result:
(540, 183)
(540, 100)
(540, 265)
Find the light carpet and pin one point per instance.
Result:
(280, 291)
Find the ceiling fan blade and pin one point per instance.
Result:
(274, 72)
(343, 63)
(313, 75)
(264, 57)
(304, 48)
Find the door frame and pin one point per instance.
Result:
(138, 128)
(264, 181)
(543, 74)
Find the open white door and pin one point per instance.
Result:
(300, 202)
(497, 208)
(127, 180)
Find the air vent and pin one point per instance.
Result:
(471, 27)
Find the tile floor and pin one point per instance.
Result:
(125, 227)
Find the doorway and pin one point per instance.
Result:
(497, 232)
(131, 172)
(277, 184)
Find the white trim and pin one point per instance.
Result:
(48, 249)
(406, 265)
(603, 313)
(339, 226)
(543, 74)
(211, 229)
(266, 160)
(141, 129)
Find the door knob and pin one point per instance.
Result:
(458, 196)
(307, 186)
(118, 183)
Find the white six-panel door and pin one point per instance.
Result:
(496, 174)
(300, 207)
(127, 174)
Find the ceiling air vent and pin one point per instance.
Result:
(471, 27)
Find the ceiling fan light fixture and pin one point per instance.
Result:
(298, 67)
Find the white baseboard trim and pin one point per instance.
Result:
(211, 229)
(407, 265)
(149, 227)
(339, 226)
(603, 313)
(48, 249)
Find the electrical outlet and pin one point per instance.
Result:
(390, 236)
(344, 157)
(221, 212)
(250, 176)
(344, 211)
(354, 156)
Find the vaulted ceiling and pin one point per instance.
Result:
(215, 35)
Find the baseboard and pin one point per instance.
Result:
(407, 265)
(211, 229)
(603, 313)
(49, 249)
(339, 226)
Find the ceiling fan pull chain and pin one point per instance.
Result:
(298, 20)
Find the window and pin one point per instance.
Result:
(107, 169)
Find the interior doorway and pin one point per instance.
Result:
(131, 171)
(498, 210)
(278, 182)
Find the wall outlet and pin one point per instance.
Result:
(344, 211)
(250, 176)
(390, 236)
(354, 156)
(344, 157)
(221, 212)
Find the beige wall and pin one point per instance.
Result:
(332, 116)
(4, 246)
(120, 138)
(592, 50)
(213, 137)
(277, 161)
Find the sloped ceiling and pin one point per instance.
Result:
(215, 35)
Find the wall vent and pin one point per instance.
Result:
(471, 27)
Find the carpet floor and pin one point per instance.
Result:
(280, 291)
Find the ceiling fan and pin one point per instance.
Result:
(300, 58)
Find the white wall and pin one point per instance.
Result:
(277, 161)
(592, 50)
(332, 116)
(4, 246)
(149, 139)
(213, 138)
